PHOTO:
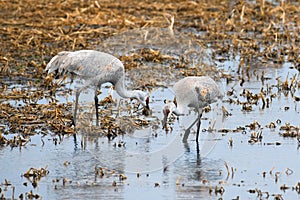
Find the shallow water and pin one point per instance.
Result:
(167, 168)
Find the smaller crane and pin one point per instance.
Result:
(194, 92)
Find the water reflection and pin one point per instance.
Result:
(196, 173)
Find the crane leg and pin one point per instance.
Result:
(186, 135)
(76, 107)
(198, 126)
(198, 152)
(96, 106)
(188, 130)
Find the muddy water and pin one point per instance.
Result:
(157, 165)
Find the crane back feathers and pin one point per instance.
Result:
(196, 92)
(91, 69)
(86, 64)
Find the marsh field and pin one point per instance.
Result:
(249, 140)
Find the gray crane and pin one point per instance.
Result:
(192, 92)
(93, 68)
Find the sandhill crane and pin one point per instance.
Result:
(93, 68)
(192, 92)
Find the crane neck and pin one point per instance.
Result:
(122, 90)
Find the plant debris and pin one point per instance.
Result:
(35, 175)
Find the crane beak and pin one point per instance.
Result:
(146, 109)
(147, 103)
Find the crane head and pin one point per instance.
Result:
(143, 98)
(169, 108)
(167, 111)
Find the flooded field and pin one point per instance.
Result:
(249, 140)
(258, 166)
